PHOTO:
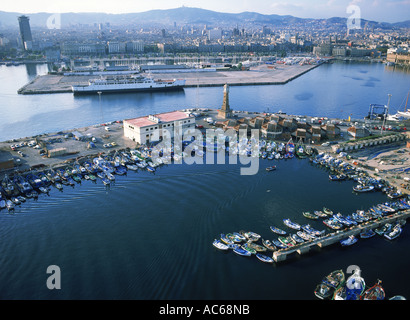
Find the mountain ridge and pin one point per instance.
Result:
(181, 15)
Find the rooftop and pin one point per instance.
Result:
(163, 117)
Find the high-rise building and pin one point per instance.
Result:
(25, 32)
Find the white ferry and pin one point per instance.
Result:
(128, 83)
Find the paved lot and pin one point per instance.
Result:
(256, 75)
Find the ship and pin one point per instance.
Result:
(128, 83)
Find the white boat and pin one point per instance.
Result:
(394, 233)
(128, 83)
(291, 224)
(9, 205)
(219, 245)
(363, 188)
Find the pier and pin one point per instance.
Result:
(335, 237)
(259, 75)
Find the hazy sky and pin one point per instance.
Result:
(378, 10)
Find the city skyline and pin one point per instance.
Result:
(381, 11)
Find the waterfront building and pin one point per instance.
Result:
(151, 128)
(25, 32)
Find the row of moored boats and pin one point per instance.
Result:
(17, 188)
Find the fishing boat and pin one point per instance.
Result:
(375, 293)
(310, 215)
(106, 181)
(329, 284)
(367, 234)
(335, 279)
(394, 233)
(320, 213)
(323, 291)
(248, 248)
(252, 236)
(268, 245)
(239, 236)
(332, 223)
(291, 224)
(9, 205)
(386, 228)
(279, 244)
(363, 188)
(312, 231)
(277, 230)
(264, 258)
(235, 238)
(327, 211)
(242, 252)
(355, 286)
(15, 200)
(287, 241)
(305, 236)
(225, 239)
(3, 204)
(271, 168)
(349, 241)
(150, 168)
(296, 238)
(257, 247)
(219, 245)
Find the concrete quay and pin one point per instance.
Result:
(335, 237)
(259, 75)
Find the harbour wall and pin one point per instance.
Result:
(335, 237)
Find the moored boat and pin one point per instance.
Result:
(277, 230)
(219, 245)
(375, 293)
(355, 286)
(287, 241)
(363, 188)
(268, 245)
(310, 215)
(242, 252)
(394, 233)
(271, 168)
(264, 258)
(367, 234)
(349, 241)
(290, 224)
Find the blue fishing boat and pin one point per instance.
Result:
(242, 252)
(277, 230)
(349, 241)
(264, 258)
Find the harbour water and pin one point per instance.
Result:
(149, 236)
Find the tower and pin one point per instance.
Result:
(25, 32)
(225, 111)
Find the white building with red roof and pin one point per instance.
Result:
(151, 128)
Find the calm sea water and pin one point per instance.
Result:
(149, 236)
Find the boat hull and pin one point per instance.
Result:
(126, 90)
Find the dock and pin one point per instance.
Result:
(335, 237)
(259, 75)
